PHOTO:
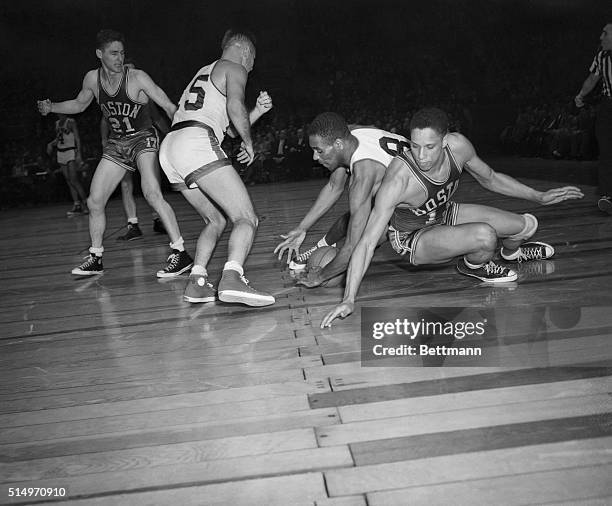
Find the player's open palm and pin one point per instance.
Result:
(340, 311)
(291, 244)
(556, 195)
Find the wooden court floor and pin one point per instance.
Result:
(119, 393)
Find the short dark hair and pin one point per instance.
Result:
(233, 35)
(329, 126)
(430, 117)
(107, 36)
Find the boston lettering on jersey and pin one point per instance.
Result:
(124, 115)
(437, 193)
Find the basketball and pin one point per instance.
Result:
(320, 258)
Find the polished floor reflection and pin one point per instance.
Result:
(117, 391)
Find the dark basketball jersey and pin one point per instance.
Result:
(437, 195)
(125, 115)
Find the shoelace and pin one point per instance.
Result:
(173, 260)
(493, 268)
(302, 257)
(535, 253)
(89, 261)
(245, 280)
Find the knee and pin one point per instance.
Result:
(217, 222)
(485, 237)
(248, 218)
(94, 203)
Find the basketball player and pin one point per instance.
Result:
(192, 158)
(127, 183)
(68, 145)
(123, 95)
(359, 155)
(415, 198)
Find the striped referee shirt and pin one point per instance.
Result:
(602, 66)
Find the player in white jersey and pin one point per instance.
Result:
(192, 158)
(359, 155)
(68, 145)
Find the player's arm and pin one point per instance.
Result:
(51, 145)
(503, 183)
(588, 85)
(360, 205)
(154, 92)
(76, 105)
(263, 104)
(328, 196)
(388, 197)
(77, 140)
(235, 83)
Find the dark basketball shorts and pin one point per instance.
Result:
(405, 242)
(124, 151)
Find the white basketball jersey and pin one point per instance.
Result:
(378, 145)
(202, 101)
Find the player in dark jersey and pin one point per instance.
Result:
(415, 198)
(123, 95)
(127, 183)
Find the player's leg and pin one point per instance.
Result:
(198, 288)
(514, 230)
(73, 192)
(224, 186)
(106, 177)
(75, 181)
(476, 242)
(129, 206)
(179, 260)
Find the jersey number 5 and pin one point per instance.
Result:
(196, 87)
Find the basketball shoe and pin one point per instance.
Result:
(77, 210)
(489, 272)
(92, 265)
(605, 204)
(133, 232)
(198, 289)
(529, 251)
(178, 262)
(234, 287)
(299, 261)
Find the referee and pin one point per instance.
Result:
(601, 68)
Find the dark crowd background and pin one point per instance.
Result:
(505, 71)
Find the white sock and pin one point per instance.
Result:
(199, 270)
(322, 243)
(97, 251)
(234, 266)
(472, 266)
(133, 221)
(178, 244)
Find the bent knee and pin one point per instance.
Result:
(485, 236)
(249, 219)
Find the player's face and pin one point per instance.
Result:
(324, 153)
(112, 56)
(426, 147)
(606, 38)
(249, 58)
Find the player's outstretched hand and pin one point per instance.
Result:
(342, 310)
(246, 154)
(44, 106)
(556, 195)
(291, 244)
(264, 102)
